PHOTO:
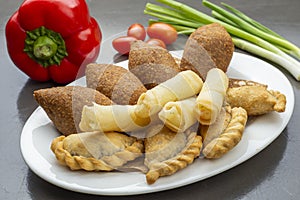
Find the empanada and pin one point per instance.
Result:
(255, 98)
(227, 135)
(96, 151)
(166, 152)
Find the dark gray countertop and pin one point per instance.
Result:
(272, 174)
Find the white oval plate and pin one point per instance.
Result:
(39, 132)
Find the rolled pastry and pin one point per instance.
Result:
(210, 100)
(111, 118)
(185, 84)
(179, 115)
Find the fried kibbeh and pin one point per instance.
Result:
(115, 82)
(208, 47)
(151, 64)
(64, 104)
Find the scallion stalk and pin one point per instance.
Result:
(251, 21)
(275, 48)
(222, 18)
(292, 66)
(252, 29)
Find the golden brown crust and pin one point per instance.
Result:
(230, 137)
(208, 47)
(171, 164)
(210, 132)
(117, 83)
(105, 163)
(233, 82)
(151, 64)
(64, 104)
(256, 99)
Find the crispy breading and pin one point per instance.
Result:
(151, 64)
(117, 83)
(64, 105)
(208, 47)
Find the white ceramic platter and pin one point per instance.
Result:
(39, 132)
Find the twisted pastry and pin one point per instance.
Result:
(230, 136)
(181, 160)
(75, 161)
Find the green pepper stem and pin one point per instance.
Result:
(45, 46)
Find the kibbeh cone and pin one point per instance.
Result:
(115, 82)
(64, 105)
(208, 47)
(151, 64)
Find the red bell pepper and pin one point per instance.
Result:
(53, 39)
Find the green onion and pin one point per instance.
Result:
(289, 65)
(222, 18)
(251, 21)
(247, 34)
(252, 29)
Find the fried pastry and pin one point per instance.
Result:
(210, 132)
(226, 135)
(115, 82)
(234, 82)
(96, 151)
(179, 115)
(151, 64)
(63, 105)
(119, 118)
(167, 152)
(212, 95)
(255, 98)
(208, 47)
(184, 85)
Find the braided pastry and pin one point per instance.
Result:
(96, 151)
(230, 137)
(164, 162)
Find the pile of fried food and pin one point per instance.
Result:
(160, 114)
